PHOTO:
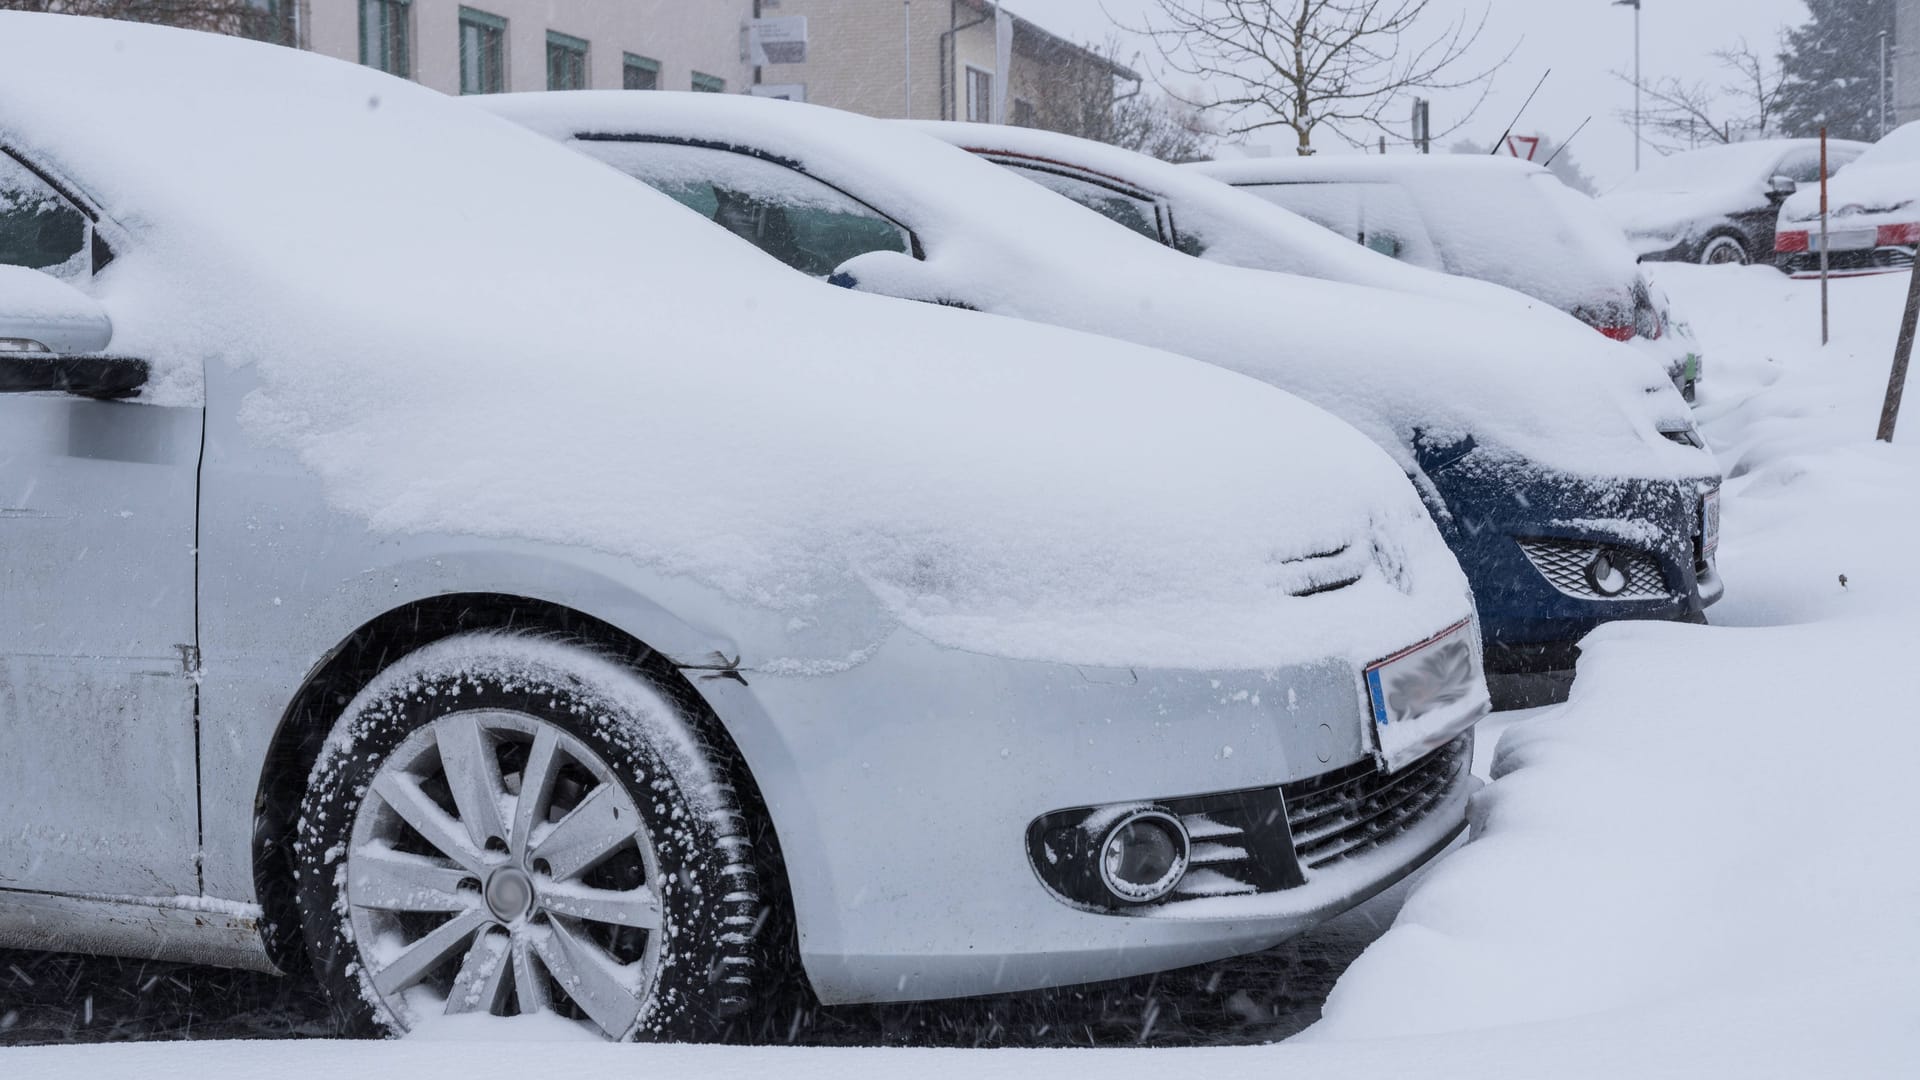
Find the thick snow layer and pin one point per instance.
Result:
(1884, 179)
(1715, 826)
(1390, 363)
(462, 327)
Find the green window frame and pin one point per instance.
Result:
(708, 84)
(566, 61)
(639, 72)
(386, 36)
(483, 52)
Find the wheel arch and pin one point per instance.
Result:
(356, 659)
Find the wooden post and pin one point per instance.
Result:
(1826, 323)
(1897, 379)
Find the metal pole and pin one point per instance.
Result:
(1826, 325)
(1637, 84)
(1897, 379)
(1882, 110)
(908, 39)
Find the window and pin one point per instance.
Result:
(979, 95)
(709, 84)
(39, 229)
(1137, 212)
(1384, 217)
(566, 62)
(386, 38)
(483, 52)
(804, 222)
(640, 73)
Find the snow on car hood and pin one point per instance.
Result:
(461, 327)
(1393, 364)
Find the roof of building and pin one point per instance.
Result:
(1036, 38)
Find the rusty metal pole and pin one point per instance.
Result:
(1897, 379)
(1826, 323)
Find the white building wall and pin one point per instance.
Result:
(685, 36)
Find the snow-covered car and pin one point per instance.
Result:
(1564, 470)
(1873, 223)
(1718, 204)
(404, 580)
(1494, 218)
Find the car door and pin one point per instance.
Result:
(98, 792)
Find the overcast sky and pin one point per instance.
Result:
(1581, 40)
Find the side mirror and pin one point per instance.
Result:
(894, 273)
(1780, 187)
(50, 336)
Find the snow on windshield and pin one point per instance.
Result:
(490, 334)
(1900, 147)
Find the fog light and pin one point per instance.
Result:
(1605, 578)
(1144, 856)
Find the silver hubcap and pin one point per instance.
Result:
(1725, 250)
(497, 866)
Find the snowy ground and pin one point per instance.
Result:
(1701, 866)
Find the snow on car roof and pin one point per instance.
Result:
(462, 327)
(1745, 166)
(1389, 363)
(1490, 217)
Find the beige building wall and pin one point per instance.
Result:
(685, 36)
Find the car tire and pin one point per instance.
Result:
(1725, 249)
(511, 824)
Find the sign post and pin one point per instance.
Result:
(1897, 379)
(1826, 325)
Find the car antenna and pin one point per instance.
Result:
(1518, 115)
(1570, 138)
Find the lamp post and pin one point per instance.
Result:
(1635, 5)
(1885, 97)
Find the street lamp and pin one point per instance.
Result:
(1635, 5)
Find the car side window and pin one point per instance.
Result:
(1801, 166)
(1383, 217)
(800, 220)
(39, 229)
(1135, 211)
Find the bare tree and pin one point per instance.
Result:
(1086, 98)
(266, 20)
(1682, 115)
(1308, 64)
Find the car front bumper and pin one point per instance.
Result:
(902, 792)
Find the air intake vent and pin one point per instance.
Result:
(1564, 564)
(1323, 572)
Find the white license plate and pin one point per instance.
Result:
(1424, 696)
(1847, 240)
(1710, 523)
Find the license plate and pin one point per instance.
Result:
(1424, 696)
(1846, 240)
(1710, 523)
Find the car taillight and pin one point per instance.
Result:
(1617, 333)
(1787, 243)
(1898, 235)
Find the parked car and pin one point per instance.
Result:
(1718, 204)
(405, 580)
(1873, 225)
(1565, 471)
(1494, 218)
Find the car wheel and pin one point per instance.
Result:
(513, 825)
(1725, 250)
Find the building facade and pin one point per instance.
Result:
(493, 46)
(940, 60)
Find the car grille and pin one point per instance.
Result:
(1564, 564)
(1356, 809)
(1323, 572)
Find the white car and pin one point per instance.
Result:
(1494, 218)
(1718, 204)
(434, 559)
(1563, 470)
(1873, 223)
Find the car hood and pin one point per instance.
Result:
(1401, 368)
(463, 328)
